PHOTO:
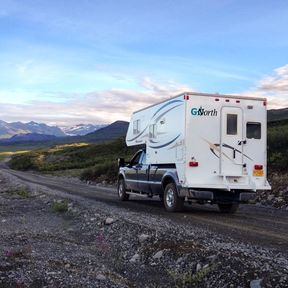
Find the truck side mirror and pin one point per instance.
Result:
(121, 162)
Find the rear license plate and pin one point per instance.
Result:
(258, 173)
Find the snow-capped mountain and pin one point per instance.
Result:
(7, 130)
(81, 129)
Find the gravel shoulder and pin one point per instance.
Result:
(53, 238)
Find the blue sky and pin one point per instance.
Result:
(66, 62)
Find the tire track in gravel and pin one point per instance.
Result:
(261, 226)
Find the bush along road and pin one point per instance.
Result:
(57, 232)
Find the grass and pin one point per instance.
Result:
(190, 278)
(87, 161)
(60, 206)
(22, 192)
(4, 155)
(59, 148)
(22, 147)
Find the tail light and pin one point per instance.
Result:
(193, 164)
(258, 167)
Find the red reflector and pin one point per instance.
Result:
(186, 97)
(237, 101)
(265, 103)
(216, 99)
(193, 164)
(227, 100)
(258, 167)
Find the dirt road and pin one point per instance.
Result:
(252, 244)
(258, 225)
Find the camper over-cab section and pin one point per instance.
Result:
(213, 147)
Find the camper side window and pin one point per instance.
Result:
(231, 124)
(253, 130)
(152, 131)
(136, 126)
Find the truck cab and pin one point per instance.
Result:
(135, 173)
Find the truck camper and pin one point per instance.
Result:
(205, 148)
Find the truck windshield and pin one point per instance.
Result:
(135, 160)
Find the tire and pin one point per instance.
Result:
(121, 190)
(171, 200)
(228, 208)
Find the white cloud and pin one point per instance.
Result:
(278, 82)
(274, 87)
(95, 107)
(106, 106)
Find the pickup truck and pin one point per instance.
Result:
(142, 179)
(137, 177)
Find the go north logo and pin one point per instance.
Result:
(203, 112)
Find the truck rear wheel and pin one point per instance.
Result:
(123, 196)
(172, 202)
(228, 208)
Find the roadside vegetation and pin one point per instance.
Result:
(22, 192)
(278, 146)
(4, 155)
(60, 206)
(90, 162)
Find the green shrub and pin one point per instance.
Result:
(23, 192)
(106, 171)
(60, 206)
(23, 162)
(277, 140)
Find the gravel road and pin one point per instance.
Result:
(102, 242)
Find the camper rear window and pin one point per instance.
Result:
(231, 124)
(253, 130)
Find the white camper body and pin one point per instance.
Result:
(215, 141)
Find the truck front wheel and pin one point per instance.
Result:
(172, 202)
(123, 196)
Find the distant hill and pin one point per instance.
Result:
(29, 137)
(277, 114)
(7, 130)
(110, 132)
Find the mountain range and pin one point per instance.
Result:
(8, 130)
(109, 132)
